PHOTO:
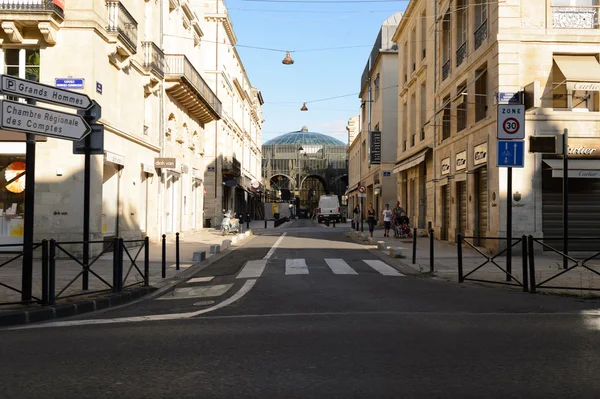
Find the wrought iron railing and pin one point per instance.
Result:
(31, 6)
(120, 21)
(481, 34)
(5, 282)
(575, 17)
(179, 65)
(154, 58)
(445, 70)
(461, 53)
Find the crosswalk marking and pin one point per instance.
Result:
(253, 269)
(295, 266)
(383, 268)
(339, 266)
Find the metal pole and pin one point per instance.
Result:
(460, 257)
(509, 224)
(115, 286)
(414, 260)
(86, 211)
(248, 222)
(146, 261)
(431, 254)
(28, 224)
(176, 251)
(362, 215)
(164, 256)
(524, 257)
(565, 197)
(120, 268)
(45, 272)
(52, 272)
(531, 264)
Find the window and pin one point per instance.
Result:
(574, 100)
(376, 90)
(23, 63)
(446, 118)
(480, 22)
(413, 49)
(446, 46)
(413, 117)
(481, 91)
(364, 150)
(461, 107)
(461, 31)
(423, 98)
(423, 35)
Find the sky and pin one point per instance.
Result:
(329, 41)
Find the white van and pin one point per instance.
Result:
(329, 208)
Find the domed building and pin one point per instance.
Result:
(298, 167)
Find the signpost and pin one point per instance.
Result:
(362, 193)
(33, 120)
(511, 154)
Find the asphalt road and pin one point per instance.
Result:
(314, 317)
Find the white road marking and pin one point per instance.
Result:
(383, 268)
(200, 279)
(253, 269)
(339, 266)
(174, 316)
(181, 265)
(295, 266)
(274, 247)
(197, 292)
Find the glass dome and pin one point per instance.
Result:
(304, 137)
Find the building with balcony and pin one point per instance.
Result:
(301, 166)
(379, 119)
(542, 54)
(143, 63)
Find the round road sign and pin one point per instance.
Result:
(362, 189)
(511, 126)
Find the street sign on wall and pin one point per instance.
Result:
(26, 118)
(375, 148)
(511, 122)
(45, 93)
(511, 153)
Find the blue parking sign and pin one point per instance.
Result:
(511, 153)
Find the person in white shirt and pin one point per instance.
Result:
(387, 220)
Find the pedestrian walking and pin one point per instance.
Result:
(371, 218)
(356, 216)
(387, 220)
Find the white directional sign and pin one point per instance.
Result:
(45, 93)
(511, 122)
(26, 118)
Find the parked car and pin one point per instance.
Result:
(329, 208)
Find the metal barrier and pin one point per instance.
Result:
(511, 279)
(531, 241)
(18, 255)
(279, 222)
(145, 275)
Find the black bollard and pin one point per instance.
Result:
(414, 246)
(176, 251)
(431, 250)
(248, 221)
(164, 256)
(265, 223)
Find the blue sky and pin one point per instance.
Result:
(301, 27)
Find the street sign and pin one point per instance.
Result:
(45, 93)
(96, 142)
(26, 118)
(362, 189)
(508, 97)
(362, 195)
(511, 153)
(69, 83)
(511, 122)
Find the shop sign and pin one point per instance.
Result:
(184, 169)
(584, 147)
(165, 163)
(583, 86)
(461, 160)
(114, 158)
(445, 166)
(480, 154)
(147, 168)
(375, 148)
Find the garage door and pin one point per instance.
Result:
(461, 194)
(482, 204)
(584, 211)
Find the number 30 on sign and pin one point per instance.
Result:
(511, 122)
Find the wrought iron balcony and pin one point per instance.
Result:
(461, 53)
(575, 17)
(154, 58)
(121, 22)
(481, 34)
(445, 70)
(191, 89)
(29, 6)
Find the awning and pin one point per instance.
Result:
(579, 69)
(410, 162)
(578, 168)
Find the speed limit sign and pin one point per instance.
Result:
(511, 122)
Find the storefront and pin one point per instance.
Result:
(12, 193)
(584, 193)
(412, 181)
(480, 180)
(446, 198)
(460, 180)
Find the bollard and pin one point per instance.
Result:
(120, 268)
(414, 246)
(531, 265)
(146, 261)
(176, 251)
(164, 256)
(248, 221)
(115, 244)
(460, 257)
(333, 222)
(52, 272)
(44, 272)
(431, 250)
(524, 258)
(265, 223)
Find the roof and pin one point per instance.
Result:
(304, 137)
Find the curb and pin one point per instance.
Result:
(112, 301)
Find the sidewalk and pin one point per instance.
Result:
(547, 264)
(67, 269)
